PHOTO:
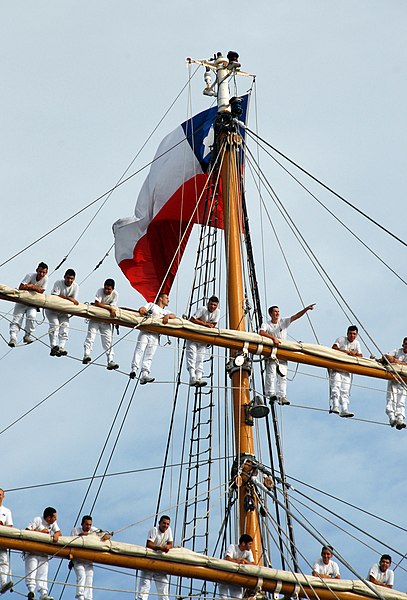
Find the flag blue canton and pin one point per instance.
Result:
(199, 132)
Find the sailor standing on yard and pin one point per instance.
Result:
(396, 391)
(339, 381)
(276, 329)
(84, 569)
(107, 298)
(7, 520)
(240, 554)
(207, 316)
(33, 282)
(159, 539)
(36, 565)
(66, 289)
(147, 343)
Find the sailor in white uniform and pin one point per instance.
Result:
(67, 289)
(33, 282)
(381, 574)
(240, 554)
(276, 329)
(325, 567)
(339, 381)
(36, 565)
(107, 298)
(207, 316)
(147, 343)
(84, 569)
(7, 521)
(159, 539)
(397, 391)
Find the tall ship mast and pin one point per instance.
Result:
(255, 486)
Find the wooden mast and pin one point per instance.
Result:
(230, 141)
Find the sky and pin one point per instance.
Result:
(84, 85)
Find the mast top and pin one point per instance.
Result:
(224, 68)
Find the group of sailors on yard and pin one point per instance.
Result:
(159, 539)
(274, 328)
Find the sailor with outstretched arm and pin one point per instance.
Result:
(275, 329)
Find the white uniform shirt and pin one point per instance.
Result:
(209, 317)
(32, 278)
(344, 344)
(234, 552)
(386, 577)
(109, 299)
(330, 569)
(159, 538)
(399, 354)
(39, 523)
(79, 531)
(5, 516)
(60, 289)
(156, 312)
(279, 329)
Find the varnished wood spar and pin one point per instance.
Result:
(131, 319)
(182, 569)
(244, 443)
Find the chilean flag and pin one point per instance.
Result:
(150, 245)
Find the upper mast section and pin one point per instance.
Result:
(224, 68)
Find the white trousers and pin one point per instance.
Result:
(106, 336)
(230, 591)
(4, 567)
(195, 355)
(36, 573)
(340, 384)
(21, 311)
(275, 385)
(58, 328)
(84, 580)
(146, 347)
(396, 400)
(161, 585)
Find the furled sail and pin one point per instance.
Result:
(239, 341)
(181, 561)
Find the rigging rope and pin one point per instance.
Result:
(320, 268)
(348, 229)
(355, 208)
(122, 176)
(287, 263)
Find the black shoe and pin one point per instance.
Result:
(112, 366)
(31, 595)
(273, 399)
(62, 352)
(54, 351)
(6, 587)
(132, 374)
(86, 359)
